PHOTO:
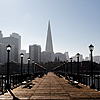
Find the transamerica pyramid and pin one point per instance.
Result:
(49, 46)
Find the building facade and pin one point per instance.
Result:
(48, 54)
(35, 53)
(62, 57)
(4, 41)
(17, 36)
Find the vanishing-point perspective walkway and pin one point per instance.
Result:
(51, 87)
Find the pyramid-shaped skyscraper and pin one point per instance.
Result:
(49, 45)
(48, 54)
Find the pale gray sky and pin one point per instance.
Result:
(74, 23)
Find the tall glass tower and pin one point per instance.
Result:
(49, 46)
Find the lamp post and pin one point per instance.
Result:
(91, 47)
(71, 64)
(8, 47)
(28, 65)
(33, 65)
(21, 55)
(67, 66)
(65, 69)
(78, 55)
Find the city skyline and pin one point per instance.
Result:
(35, 50)
(74, 24)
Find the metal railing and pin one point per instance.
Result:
(83, 77)
(16, 80)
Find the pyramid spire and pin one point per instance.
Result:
(49, 46)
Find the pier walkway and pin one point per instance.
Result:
(51, 87)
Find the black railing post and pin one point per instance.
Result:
(2, 83)
(28, 65)
(65, 70)
(10, 80)
(89, 80)
(86, 79)
(71, 65)
(98, 82)
(13, 80)
(33, 66)
(78, 66)
(5, 82)
(21, 67)
(67, 66)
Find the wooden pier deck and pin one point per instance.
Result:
(51, 87)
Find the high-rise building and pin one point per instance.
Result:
(14, 45)
(67, 56)
(17, 36)
(49, 46)
(2, 53)
(96, 59)
(35, 53)
(48, 54)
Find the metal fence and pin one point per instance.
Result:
(84, 79)
(81, 77)
(16, 80)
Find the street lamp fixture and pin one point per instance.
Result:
(32, 61)
(8, 47)
(78, 55)
(21, 55)
(28, 59)
(71, 59)
(91, 47)
(28, 64)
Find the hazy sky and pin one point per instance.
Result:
(75, 24)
